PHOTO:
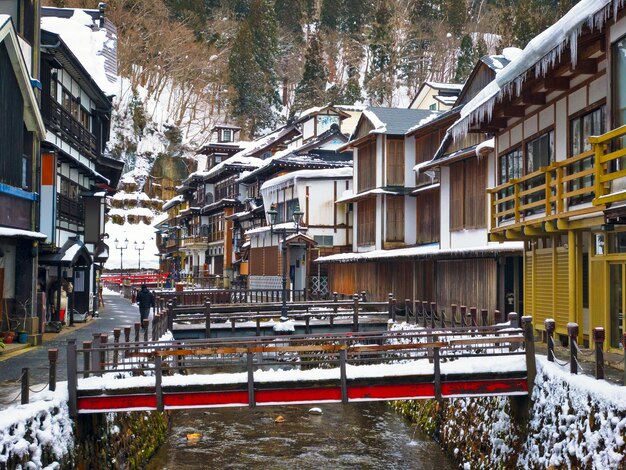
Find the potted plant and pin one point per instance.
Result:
(8, 336)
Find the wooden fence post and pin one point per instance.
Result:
(550, 326)
(116, 340)
(86, 358)
(53, 355)
(514, 319)
(407, 309)
(355, 313)
(334, 314)
(484, 314)
(158, 380)
(424, 310)
(497, 316)
(250, 367)
(103, 352)
(453, 309)
(343, 359)
(72, 378)
(529, 339)
(390, 305)
(463, 314)
(364, 296)
(433, 313)
(473, 316)
(95, 353)
(598, 339)
(416, 310)
(207, 319)
(572, 332)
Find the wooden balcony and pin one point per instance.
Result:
(580, 187)
(70, 209)
(71, 130)
(193, 241)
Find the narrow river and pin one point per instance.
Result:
(368, 435)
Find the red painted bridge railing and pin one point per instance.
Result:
(386, 365)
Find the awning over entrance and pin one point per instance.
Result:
(300, 239)
(72, 253)
(101, 253)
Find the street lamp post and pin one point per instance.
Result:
(139, 247)
(121, 246)
(282, 232)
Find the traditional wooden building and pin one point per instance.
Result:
(436, 96)
(557, 112)
(77, 111)
(21, 130)
(316, 147)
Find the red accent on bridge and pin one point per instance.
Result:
(213, 399)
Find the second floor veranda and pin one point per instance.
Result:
(562, 194)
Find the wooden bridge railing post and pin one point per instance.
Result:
(393, 309)
(72, 377)
(95, 354)
(103, 352)
(424, 312)
(473, 316)
(550, 326)
(53, 356)
(158, 381)
(24, 389)
(334, 314)
(572, 332)
(343, 359)
(437, 369)
(598, 339)
(355, 313)
(433, 313)
(364, 296)
(390, 305)
(463, 314)
(453, 309)
(250, 367)
(497, 316)
(514, 319)
(86, 358)
(416, 311)
(116, 340)
(484, 315)
(407, 309)
(529, 339)
(170, 316)
(207, 319)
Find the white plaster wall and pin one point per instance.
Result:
(308, 129)
(503, 142)
(577, 100)
(380, 145)
(597, 89)
(409, 161)
(444, 194)
(546, 117)
(516, 135)
(381, 223)
(410, 220)
(530, 125)
(468, 238)
(560, 130)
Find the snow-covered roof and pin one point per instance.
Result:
(350, 196)
(537, 58)
(173, 202)
(396, 121)
(423, 251)
(19, 233)
(276, 184)
(87, 41)
(267, 228)
(237, 159)
(486, 146)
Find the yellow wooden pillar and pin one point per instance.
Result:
(572, 276)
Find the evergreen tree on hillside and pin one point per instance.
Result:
(290, 15)
(354, 15)
(329, 14)
(311, 90)
(352, 90)
(252, 69)
(466, 59)
(379, 79)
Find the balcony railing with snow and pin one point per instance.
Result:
(578, 186)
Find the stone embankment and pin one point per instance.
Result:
(572, 422)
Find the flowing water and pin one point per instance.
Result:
(368, 435)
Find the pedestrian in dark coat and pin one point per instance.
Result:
(145, 300)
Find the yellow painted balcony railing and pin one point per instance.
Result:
(579, 185)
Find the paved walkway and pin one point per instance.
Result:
(117, 312)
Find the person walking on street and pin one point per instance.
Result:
(145, 300)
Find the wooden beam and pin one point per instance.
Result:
(557, 83)
(513, 111)
(512, 234)
(534, 98)
(531, 231)
(585, 66)
(496, 237)
(550, 226)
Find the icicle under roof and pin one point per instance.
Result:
(541, 53)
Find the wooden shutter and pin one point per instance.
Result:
(366, 221)
(475, 195)
(457, 188)
(428, 217)
(395, 162)
(367, 166)
(395, 218)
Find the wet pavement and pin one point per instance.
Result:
(117, 312)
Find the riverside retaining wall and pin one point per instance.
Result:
(572, 422)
